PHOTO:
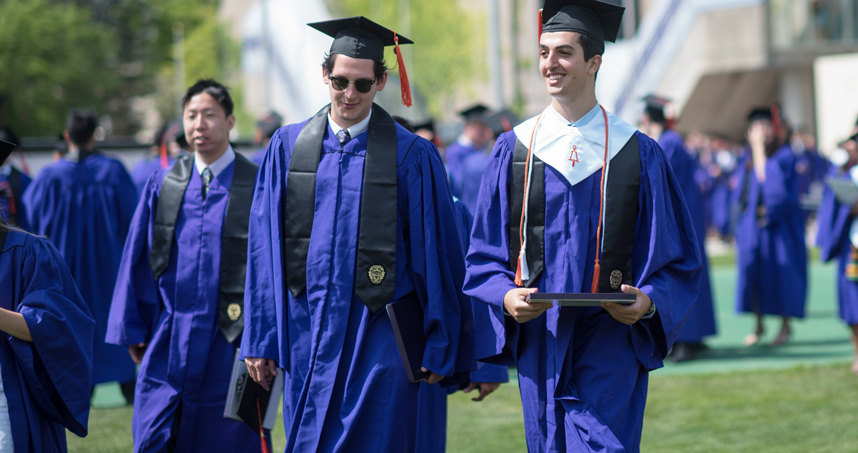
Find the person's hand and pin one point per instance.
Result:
(520, 310)
(433, 378)
(485, 389)
(629, 314)
(261, 370)
(757, 137)
(136, 351)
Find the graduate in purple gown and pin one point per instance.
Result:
(352, 212)
(165, 149)
(583, 371)
(46, 346)
(771, 254)
(700, 322)
(837, 237)
(83, 204)
(180, 292)
(13, 183)
(466, 157)
(265, 129)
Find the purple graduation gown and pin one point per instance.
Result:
(700, 322)
(465, 165)
(46, 382)
(188, 362)
(771, 253)
(583, 375)
(834, 221)
(20, 214)
(432, 437)
(345, 386)
(85, 208)
(143, 170)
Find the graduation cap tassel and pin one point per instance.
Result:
(540, 25)
(403, 76)
(164, 162)
(776, 120)
(265, 448)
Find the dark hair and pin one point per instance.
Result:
(379, 67)
(212, 88)
(404, 123)
(81, 124)
(591, 46)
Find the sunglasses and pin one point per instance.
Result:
(341, 84)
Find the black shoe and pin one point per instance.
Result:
(681, 352)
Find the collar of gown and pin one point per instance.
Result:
(556, 139)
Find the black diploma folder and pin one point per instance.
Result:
(406, 319)
(244, 395)
(581, 299)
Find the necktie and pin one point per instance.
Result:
(207, 179)
(343, 136)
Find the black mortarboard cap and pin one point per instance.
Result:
(502, 121)
(358, 37)
(6, 149)
(428, 124)
(476, 112)
(599, 19)
(654, 107)
(270, 123)
(760, 113)
(854, 138)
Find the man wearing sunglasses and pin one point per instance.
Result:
(352, 212)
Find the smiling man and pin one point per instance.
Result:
(178, 300)
(352, 212)
(599, 210)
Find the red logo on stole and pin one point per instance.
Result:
(574, 155)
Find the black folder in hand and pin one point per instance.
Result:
(406, 318)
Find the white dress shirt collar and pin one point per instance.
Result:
(217, 166)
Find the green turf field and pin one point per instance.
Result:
(798, 397)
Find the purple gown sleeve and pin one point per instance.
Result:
(780, 189)
(489, 277)
(437, 261)
(265, 294)
(135, 308)
(834, 220)
(57, 365)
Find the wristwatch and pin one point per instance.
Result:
(650, 313)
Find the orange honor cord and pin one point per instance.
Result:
(518, 280)
(403, 76)
(596, 267)
(265, 448)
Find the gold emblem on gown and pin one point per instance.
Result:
(234, 311)
(376, 274)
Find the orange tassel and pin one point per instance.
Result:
(596, 270)
(403, 76)
(518, 281)
(540, 26)
(776, 120)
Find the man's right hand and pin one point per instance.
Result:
(520, 310)
(137, 351)
(261, 370)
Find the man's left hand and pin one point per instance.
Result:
(485, 389)
(629, 314)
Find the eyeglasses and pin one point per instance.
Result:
(341, 84)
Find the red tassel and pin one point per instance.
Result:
(518, 281)
(596, 270)
(164, 162)
(403, 76)
(265, 448)
(540, 27)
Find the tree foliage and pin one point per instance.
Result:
(52, 57)
(450, 45)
